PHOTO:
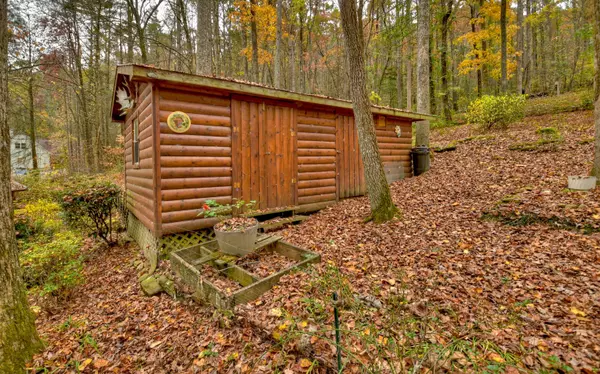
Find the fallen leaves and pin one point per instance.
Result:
(529, 290)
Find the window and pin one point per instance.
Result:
(20, 145)
(136, 142)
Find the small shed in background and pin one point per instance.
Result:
(190, 138)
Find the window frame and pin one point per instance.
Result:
(135, 128)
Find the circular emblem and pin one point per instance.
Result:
(179, 122)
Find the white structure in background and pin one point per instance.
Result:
(21, 159)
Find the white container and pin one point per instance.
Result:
(582, 182)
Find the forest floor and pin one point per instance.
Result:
(494, 266)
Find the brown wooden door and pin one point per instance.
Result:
(351, 176)
(264, 166)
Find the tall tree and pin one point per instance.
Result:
(503, 53)
(447, 6)
(423, 68)
(203, 47)
(596, 168)
(142, 11)
(380, 198)
(278, 46)
(520, 46)
(254, 40)
(18, 338)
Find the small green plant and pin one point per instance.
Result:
(53, 268)
(92, 209)
(548, 141)
(213, 209)
(489, 111)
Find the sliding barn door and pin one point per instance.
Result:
(264, 166)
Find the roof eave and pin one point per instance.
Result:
(150, 73)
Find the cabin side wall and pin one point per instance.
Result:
(316, 156)
(139, 178)
(194, 166)
(276, 153)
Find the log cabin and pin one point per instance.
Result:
(190, 138)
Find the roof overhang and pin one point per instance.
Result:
(127, 73)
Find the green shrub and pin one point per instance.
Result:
(55, 267)
(92, 209)
(490, 111)
(38, 218)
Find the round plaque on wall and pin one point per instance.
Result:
(179, 122)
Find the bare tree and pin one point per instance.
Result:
(203, 29)
(380, 198)
(423, 100)
(447, 6)
(278, 46)
(142, 11)
(18, 338)
(520, 46)
(504, 79)
(254, 40)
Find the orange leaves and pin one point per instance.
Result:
(265, 16)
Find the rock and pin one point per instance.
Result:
(369, 300)
(168, 286)
(150, 286)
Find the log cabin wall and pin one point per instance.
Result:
(239, 147)
(139, 177)
(194, 166)
(394, 149)
(316, 156)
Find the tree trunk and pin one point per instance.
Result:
(503, 56)
(409, 79)
(399, 88)
(254, 40)
(18, 338)
(444, 58)
(32, 121)
(520, 45)
(423, 101)
(278, 46)
(203, 50)
(596, 167)
(382, 206)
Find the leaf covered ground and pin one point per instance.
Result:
(494, 266)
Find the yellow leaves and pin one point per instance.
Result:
(221, 339)
(305, 363)
(284, 326)
(496, 357)
(84, 364)
(367, 331)
(578, 312)
(276, 312)
(276, 335)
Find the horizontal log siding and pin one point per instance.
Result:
(395, 149)
(194, 166)
(263, 157)
(316, 155)
(139, 179)
(350, 173)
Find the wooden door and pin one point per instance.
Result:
(350, 168)
(264, 166)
